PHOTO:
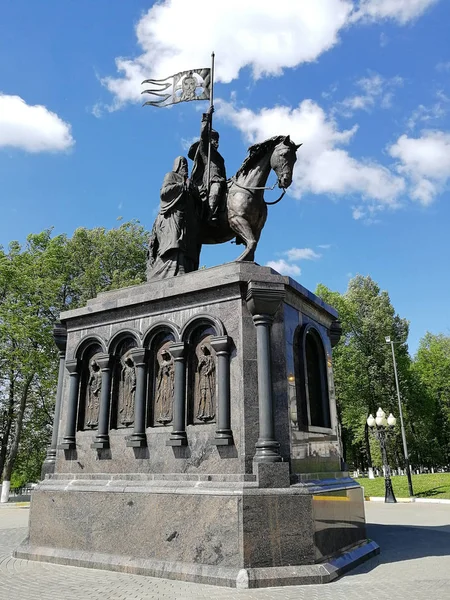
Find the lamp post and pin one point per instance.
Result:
(402, 426)
(381, 429)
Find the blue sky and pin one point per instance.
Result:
(363, 84)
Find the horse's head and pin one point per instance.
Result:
(283, 160)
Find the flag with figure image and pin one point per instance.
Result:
(182, 87)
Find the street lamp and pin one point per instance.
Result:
(400, 412)
(381, 429)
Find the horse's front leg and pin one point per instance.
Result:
(242, 228)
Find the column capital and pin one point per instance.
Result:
(59, 333)
(221, 344)
(264, 298)
(263, 319)
(177, 351)
(104, 361)
(73, 366)
(335, 332)
(139, 356)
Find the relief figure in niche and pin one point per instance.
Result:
(128, 391)
(94, 388)
(206, 385)
(164, 389)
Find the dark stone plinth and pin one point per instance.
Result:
(100, 445)
(137, 441)
(225, 441)
(272, 475)
(67, 446)
(250, 496)
(219, 532)
(221, 576)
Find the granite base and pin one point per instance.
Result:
(212, 530)
(211, 575)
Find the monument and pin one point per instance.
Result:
(196, 433)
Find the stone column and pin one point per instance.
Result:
(60, 337)
(74, 368)
(178, 435)
(224, 435)
(263, 301)
(101, 440)
(138, 439)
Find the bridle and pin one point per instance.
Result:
(249, 188)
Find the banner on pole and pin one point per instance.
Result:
(182, 87)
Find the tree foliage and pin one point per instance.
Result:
(363, 366)
(364, 379)
(431, 369)
(37, 281)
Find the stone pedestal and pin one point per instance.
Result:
(220, 457)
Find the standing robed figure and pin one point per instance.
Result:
(174, 247)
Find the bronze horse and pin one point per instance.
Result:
(246, 210)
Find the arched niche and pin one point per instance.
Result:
(90, 384)
(118, 338)
(201, 374)
(123, 389)
(197, 321)
(313, 409)
(161, 374)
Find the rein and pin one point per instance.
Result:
(251, 188)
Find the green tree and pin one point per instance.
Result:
(48, 275)
(363, 367)
(431, 368)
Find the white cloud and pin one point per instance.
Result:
(323, 166)
(425, 114)
(295, 254)
(324, 246)
(97, 110)
(384, 39)
(32, 128)
(366, 213)
(374, 89)
(358, 213)
(177, 35)
(443, 66)
(284, 267)
(425, 161)
(401, 11)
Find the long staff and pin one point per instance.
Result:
(211, 105)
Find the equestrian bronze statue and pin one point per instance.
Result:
(213, 210)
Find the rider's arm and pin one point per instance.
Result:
(204, 136)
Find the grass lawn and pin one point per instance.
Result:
(429, 485)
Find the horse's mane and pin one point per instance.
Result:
(256, 151)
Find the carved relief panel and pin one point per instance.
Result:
(127, 391)
(164, 377)
(91, 389)
(124, 386)
(202, 379)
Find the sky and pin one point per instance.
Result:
(364, 85)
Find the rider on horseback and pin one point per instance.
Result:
(215, 189)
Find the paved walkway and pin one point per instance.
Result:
(414, 565)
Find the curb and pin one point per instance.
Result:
(409, 500)
(15, 505)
